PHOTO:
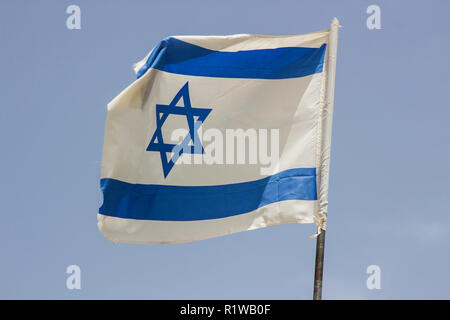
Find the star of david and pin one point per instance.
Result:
(162, 112)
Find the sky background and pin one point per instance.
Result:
(389, 184)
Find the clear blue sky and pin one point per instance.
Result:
(389, 185)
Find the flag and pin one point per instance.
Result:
(218, 134)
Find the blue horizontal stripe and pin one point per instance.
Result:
(187, 203)
(176, 56)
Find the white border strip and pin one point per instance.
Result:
(172, 232)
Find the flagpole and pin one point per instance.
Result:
(329, 101)
(318, 272)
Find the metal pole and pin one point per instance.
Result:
(326, 144)
(318, 273)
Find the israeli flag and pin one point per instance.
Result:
(218, 134)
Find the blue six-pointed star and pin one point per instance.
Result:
(162, 112)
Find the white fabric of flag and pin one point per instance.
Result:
(218, 134)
